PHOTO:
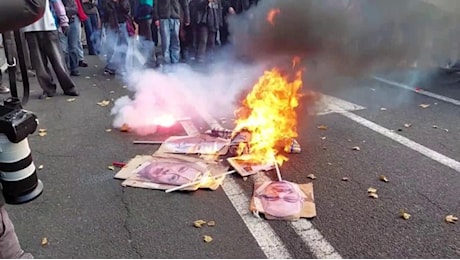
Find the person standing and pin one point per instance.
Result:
(91, 25)
(209, 20)
(166, 14)
(43, 40)
(143, 17)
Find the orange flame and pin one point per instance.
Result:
(272, 14)
(268, 112)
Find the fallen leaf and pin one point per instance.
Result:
(111, 167)
(71, 99)
(311, 176)
(373, 195)
(407, 125)
(42, 134)
(94, 85)
(345, 179)
(44, 241)
(383, 109)
(42, 130)
(108, 130)
(447, 130)
(211, 223)
(383, 178)
(451, 219)
(356, 148)
(111, 92)
(435, 126)
(124, 128)
(124, 86)
(329, 163)
(207, 239)
(199, 223)
(322, 127)
(87, 77)
(47, 98)
(424, 105)
(323, 138)
(372, 190)
(404, 215)
(40, 167)
(104, 103)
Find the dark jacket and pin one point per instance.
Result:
(166, 9)
(71, 9)
(15, 14)
(116, 12)
(205, 13)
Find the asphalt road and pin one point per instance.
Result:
(85, 213)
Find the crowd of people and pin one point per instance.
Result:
(184, 31)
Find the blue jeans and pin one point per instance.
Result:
(170, 46)
(70, 43)
(90, 31)
(117, 61)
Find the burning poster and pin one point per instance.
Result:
(245, 166)
(198, 144)
(283, 200)
(174, 172)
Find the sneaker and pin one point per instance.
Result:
(82, 64)
(4, 90)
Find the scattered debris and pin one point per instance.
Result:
(44, 242)
(40, 166)
(124, 128)
(104, 103)
(108, 130)
(245, 178)
(311, 176)
(324, 148)
(418, 89)
(111, 167)
(345, 179)
(211, 223)
(400, 130)
(451, 219)
(435, 126)
(407, 125)
(383, 109)
(125, 86)
(42, 132)
(147, 142)
(111, 92)
(294, 147)
(87, 77)
(356, 148)
(71, 100)
(322, 127)
(119, 164)
(372, 190)
(94, 85)
(207, 239)
(383, 178)
(404, 214)
(323, 138)
(329, 163)
(435, 104)
(425, 105)
(199, 223)
(447, 130)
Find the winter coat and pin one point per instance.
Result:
(170, 9)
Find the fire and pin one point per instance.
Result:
(268, 112)
(272, 14)
(164, 120)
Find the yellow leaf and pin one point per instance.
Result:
(108, 130)
(345, 179)
(322, 127)
(211, 223)
(404, 214)
(207, 239)
(425, 105)
(451, 219)
(199, 223)
(407, 125)
(71, 99)
(42, 130)
(373, 195)
(124, 128)
(44, 241)
(311, 176)
(372, 190)
(383, 178)
(356, 148)
(40, 167)
(42, 134)
(104, 103)
(111, 167)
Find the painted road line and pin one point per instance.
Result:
(324, 107)
(317, 244)
(420, 91)
(268, 240)
(449, 162)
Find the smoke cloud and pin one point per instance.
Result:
(350, 37)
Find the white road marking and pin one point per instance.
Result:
(449, 162)
(420, 91)
(268, 240)
(324, 106)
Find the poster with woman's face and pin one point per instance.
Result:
(283, 200)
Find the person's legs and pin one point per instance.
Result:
(89, 33)
(38, 59)
(96, 35)
(9, 243)
(165, 33)
(117, 62)
(73, 37)
(175, 41)
(148, 47)
(64, 42)
(202, 43)
(53, 52)
(210, 48)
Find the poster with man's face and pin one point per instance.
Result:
(283, 200)
(245, 166)
(198, 144)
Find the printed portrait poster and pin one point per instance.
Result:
(245, 166)
(283, 200)
(197, 144)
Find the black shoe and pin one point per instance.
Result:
(109, 72)
(45, 95)
(82, 64)
(75, 73)
(72, 93)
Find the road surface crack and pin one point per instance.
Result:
(126, 223)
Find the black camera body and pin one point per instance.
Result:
(15, 122)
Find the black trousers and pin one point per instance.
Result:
(44, 46)
(206, 43)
